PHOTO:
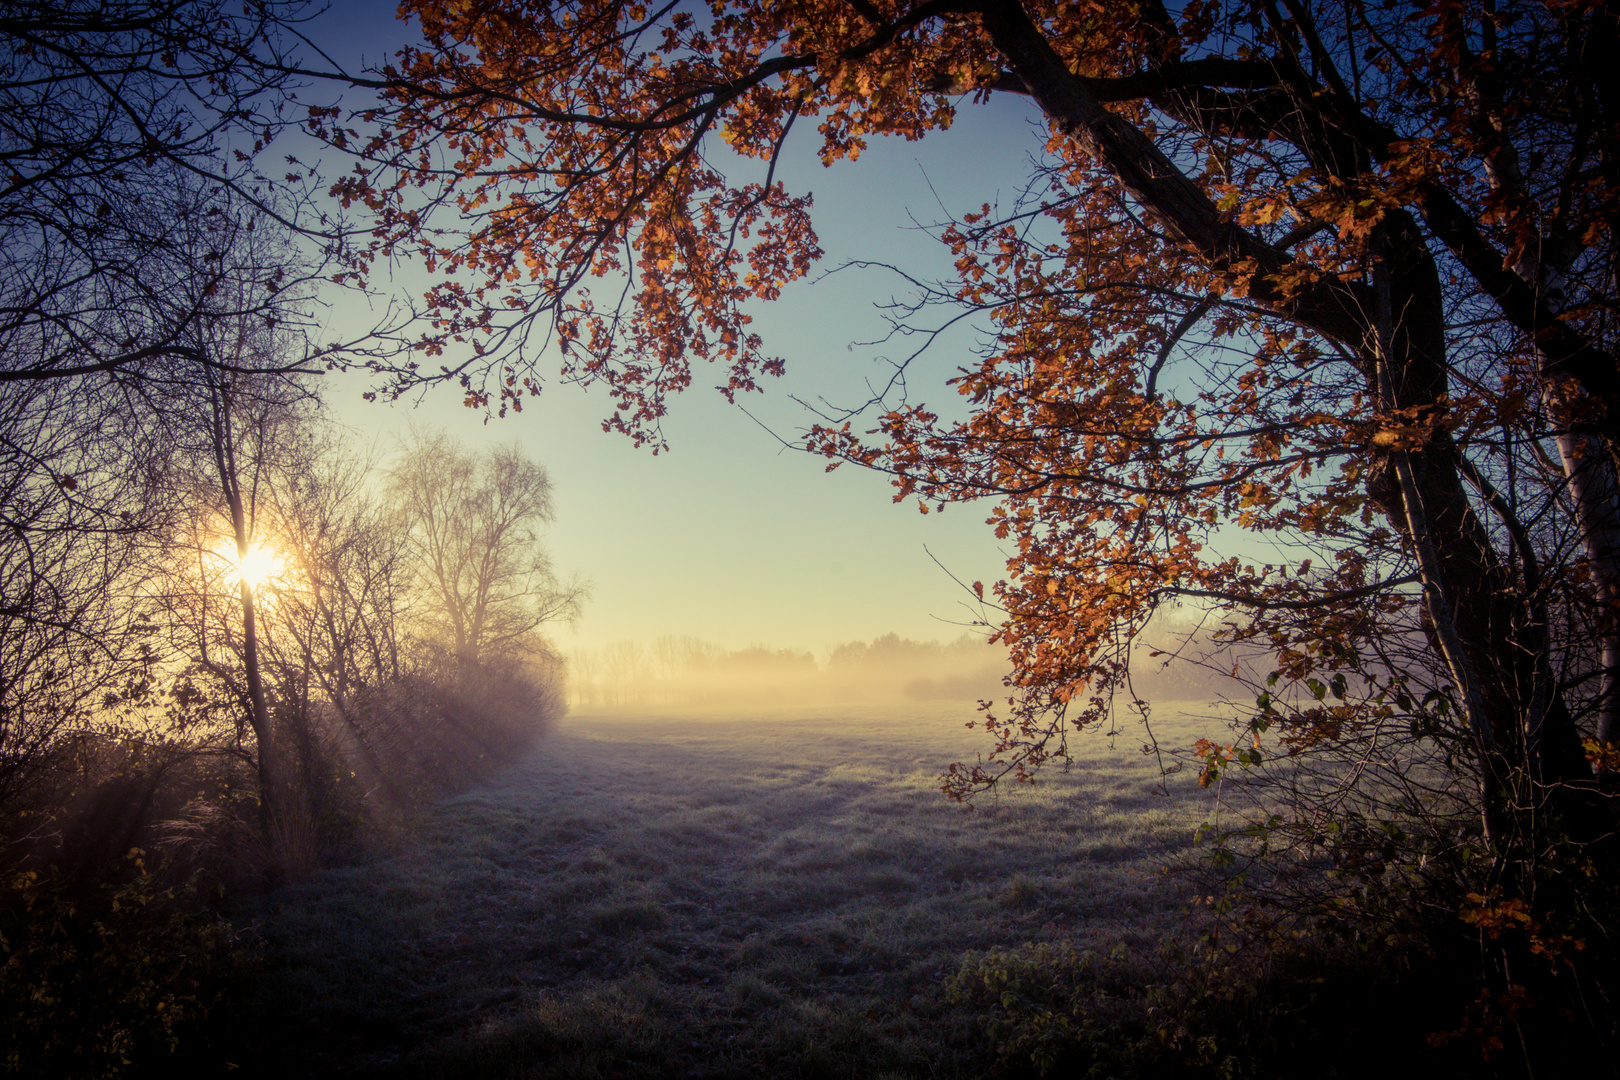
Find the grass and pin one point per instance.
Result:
(710, 895)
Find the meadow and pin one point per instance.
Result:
(714, 894)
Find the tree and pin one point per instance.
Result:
(335, 619)
(106, 111)
(625, 669)
(470, 521)
(344, 619)
(1383, 247)
(1323, 278)
(78, 484)
(236, 439)
(132, 213)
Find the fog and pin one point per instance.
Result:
(685, 670)
(1176, 659)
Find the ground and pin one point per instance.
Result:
(690, 894)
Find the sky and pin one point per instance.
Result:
(729, 535)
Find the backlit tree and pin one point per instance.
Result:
(470, 524)
(1308, 311)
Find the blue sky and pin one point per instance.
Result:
(727, 535)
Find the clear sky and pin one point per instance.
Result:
(728, 536)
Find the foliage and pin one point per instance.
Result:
(1206, 317)
(1306, 312)
(1195, 1007)
(95, 981)
(1062, 1010)
(1239, 989)
(130, 847)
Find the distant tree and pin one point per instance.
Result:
(670, 656)
(681, 660)
(624, 664)
(584, 672)
(471, 522)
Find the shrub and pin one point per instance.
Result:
(94, 982)
(118, 864)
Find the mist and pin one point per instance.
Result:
(686, 670)
(1178, 658)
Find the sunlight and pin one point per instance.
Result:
(261, 563)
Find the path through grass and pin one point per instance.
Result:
(692, 895)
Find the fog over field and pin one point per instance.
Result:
(740, 862)
(825, 539)
(1176, 658)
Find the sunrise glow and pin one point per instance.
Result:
(262, 563)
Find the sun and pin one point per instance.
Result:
(262, 563)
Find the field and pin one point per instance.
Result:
(708, 895)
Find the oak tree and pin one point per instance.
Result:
(1328, 271)
(1308, 312)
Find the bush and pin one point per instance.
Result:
(94, 981)
(424, 736)
(118, 865)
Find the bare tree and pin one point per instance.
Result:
(584, 676)
(139, 236)
(231, 442)
(472, 522)
(77, 485)
(106, 110)
(625, 662)
(346, 605)
(340, 609)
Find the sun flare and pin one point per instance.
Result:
(261, 563)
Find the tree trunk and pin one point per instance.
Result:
(1477, 619)
(271, 816)
(271, 811)
(1589, 471)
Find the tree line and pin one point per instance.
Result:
(234, 643)
(268, 652)
(679, 669)
(189, 545)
